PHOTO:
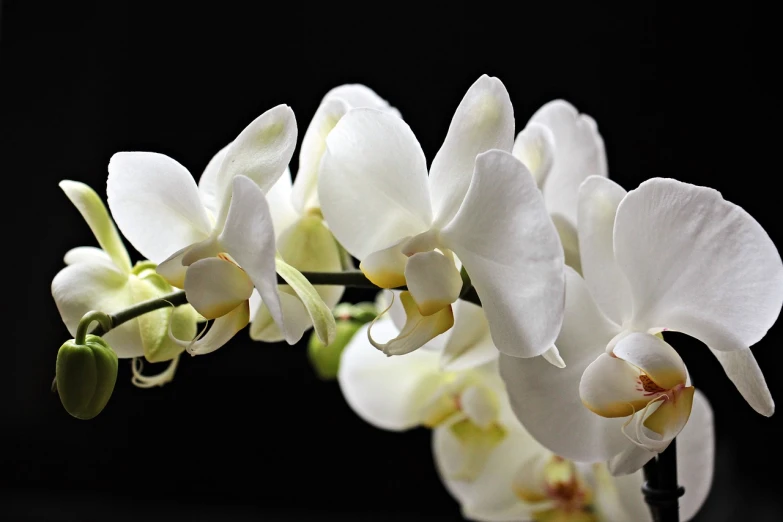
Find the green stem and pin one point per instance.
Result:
(104, 321)
(350, 278)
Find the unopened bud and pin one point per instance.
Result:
(86, 374)
(326, 359)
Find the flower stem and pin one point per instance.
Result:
(660, 488)
(349, 278)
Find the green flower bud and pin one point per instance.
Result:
(363, 312)
(326, 359)
(86, 374)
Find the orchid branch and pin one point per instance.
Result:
(660, 488)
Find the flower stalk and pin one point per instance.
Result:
(660, 488)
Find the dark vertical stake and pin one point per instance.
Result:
(660, 488)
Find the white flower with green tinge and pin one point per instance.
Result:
(478, 203)
(104, 279)
(217, 240)
(303, 238)
(666, 256)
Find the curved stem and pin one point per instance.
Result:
(173, 299)
(104, 320)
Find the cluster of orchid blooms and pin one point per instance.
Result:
(547, 399)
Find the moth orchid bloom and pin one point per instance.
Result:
(562, 148)
(523, 481)
(666, 256)
(478, 202)
(216, 240)
(303, 238)
(450, 384)
(103, 279)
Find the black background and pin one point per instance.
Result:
(249, 432)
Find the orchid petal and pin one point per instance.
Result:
(598, 201)
(373, 177)
(630, 460)
(418, 329)
(320, 314)
(697, 264)
(617, 499)
(261, 153)
(82, 287)
(552, 356)
(385, 268)
(208, 188)
(222, 330)
(284, 215)
(92, 209)
(433, 281)
(490, 495)
(215, 286)
(509, 246)
(89, 255)
(172, 269)
(653, 356)
(569, 238)
(534, 147)
(305, 190)
(696, 456)
(483, 121)
(546, 399)
(743, 370)
(610, 388)
(469, 343)
(387, 392)
(248, 217)
(358, 95)
(579, 153)
(156, 203)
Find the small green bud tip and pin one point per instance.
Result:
(86, 374)
(362, 312)
(326, 359)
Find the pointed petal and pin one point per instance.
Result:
(630, 460)
(579, 153)
(610, 388)
(509, 246)
(433, 281)
(80, 288)
(744, 372)
(418, 329)
(373, 177)
(653, 356)
(598, 201)
(320, 314)
(295, 319)
(215, 286)
(305, 191)
(469, 343)
(387, 392)
(696, 456)
(483, 121)
(97, 217)
(261, 152)
(698, 264)
(155, 203)
(546, 399)
(535, 147)
(89, 255)
(552, 356)
(281, 208)
(490, 495)
(172, 269)
(208, 182)
(248, 217)
(222, 330)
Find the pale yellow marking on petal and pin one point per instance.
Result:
(672, 411)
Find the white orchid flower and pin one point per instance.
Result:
(103, 279)
(562, 148)
(216, 240)
(478, 202)
(303, 238)
(666, 256)
(453, 385)
(523, 481)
